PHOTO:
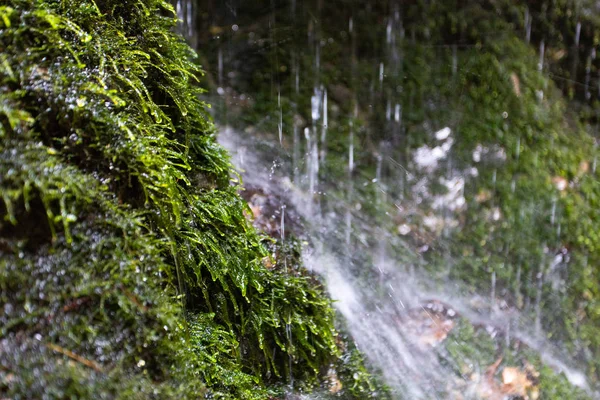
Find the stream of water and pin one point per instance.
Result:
(396, 315)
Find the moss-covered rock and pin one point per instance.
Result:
(128, 269)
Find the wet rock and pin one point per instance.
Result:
(335, 386)
(267, 210)
(429, 323)
(560, 183)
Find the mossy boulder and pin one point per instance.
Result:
(127, 268)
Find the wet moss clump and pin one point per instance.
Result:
(127, 268)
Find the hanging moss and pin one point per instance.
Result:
(127, 267)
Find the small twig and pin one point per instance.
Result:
(75, 304)
(88, 363)
(133, 299)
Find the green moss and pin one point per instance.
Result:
(470, 349)
(84, 314)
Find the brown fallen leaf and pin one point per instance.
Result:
(515, 381)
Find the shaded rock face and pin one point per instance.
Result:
(271, 215)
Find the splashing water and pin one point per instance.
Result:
(397, 319)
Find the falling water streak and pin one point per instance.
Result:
(348, 218)
(398, 113)
(529, 279)
(401, 184)
(351, 151)
(220, 66)
(507, 334)
(378, 169)
(312, 161)
(350, 194)
(381, 73)
(542, 51)
(527, 25)
(592, 60)
(297, 81)
(588, 70)
(315, 105)
(382, 240)
(282, 230)
(179, 10)
(538, 300)
(288, 331)
(324, 111)
(324, 128)
(296, 156)
(309, 166)
(553, 212)
(315, 163)
(317, 44)
(518, 296)
(388, 110)
(313, 143)
(185, 11)
(308, 150)
(577, 33)
(280, 123)
(454, 59)
(518, 149)
(381, 257)
(493, 294)
(190, 19)
(282, 223)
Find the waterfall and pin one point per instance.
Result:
(367, 117)
(400, 318)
